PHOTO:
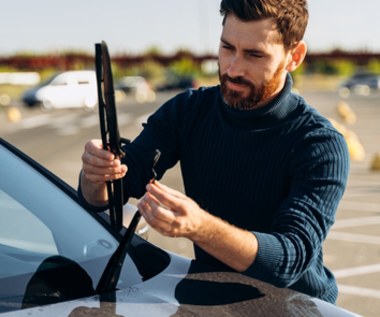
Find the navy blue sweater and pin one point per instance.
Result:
(278, 171)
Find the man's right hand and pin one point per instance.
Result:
(98, 167)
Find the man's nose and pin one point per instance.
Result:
(236, 67)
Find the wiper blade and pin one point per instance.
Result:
(109, 129)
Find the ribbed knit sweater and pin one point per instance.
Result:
(278, 171)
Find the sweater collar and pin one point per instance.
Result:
(272, 113)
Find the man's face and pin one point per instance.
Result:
(251, 63)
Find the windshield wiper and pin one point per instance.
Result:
(109, 129)
(111, 141)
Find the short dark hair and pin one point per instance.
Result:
(291, 16)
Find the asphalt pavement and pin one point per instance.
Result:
(352, 249)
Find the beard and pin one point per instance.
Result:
(256, 94)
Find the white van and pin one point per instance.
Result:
(70, 89)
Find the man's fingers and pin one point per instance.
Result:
(169, 197)
(98, 161)
(95, 147)
(157, 211)
(99, 165)
(159, 217)
(171, 191)
(101, 174)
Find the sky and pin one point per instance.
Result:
(133, 27)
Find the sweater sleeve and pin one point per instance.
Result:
(319, 174)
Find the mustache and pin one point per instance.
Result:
(236, 80)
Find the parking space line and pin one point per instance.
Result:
(66, 131)
(357, 222)
(358, 291)
(35, 121)
(57, 121)
(359, 206)
(124, 118)
(359, 270)
(89, 121)
(353, 237)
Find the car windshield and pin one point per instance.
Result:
(42, 227)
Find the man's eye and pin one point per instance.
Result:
(256, 55)
(226, 47)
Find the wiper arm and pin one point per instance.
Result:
(111, 273)
(110, 276)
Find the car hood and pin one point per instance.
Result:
(199, 292)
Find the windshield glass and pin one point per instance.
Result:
(38, 222)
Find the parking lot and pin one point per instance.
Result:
(353, 246)
(352, 249)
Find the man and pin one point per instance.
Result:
(263, 171)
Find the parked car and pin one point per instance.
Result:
(362, 83)
(176, 82)
(53, 252)
(70, 89)
(135, 86)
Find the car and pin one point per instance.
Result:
(68, 89)
(135, 86)
(177, 82)
(55, 254)
(362, 83)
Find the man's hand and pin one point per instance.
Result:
(170, 212)
(98, 167)
(174, 214)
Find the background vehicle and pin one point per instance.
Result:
(53, 251)
(71, 89)
(362, 83)
(176, 82)
(137, 87)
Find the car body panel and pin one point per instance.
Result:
(197, 293)
(59, 278)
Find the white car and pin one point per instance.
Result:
(70, 89)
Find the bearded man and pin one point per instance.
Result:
(263, 171)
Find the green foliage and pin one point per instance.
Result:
(323, 67)
(300, 70)
(153, 50)
(184, 67)
(338, 67)
(154, 66)
(344, 67)
(374, 66)
(7, 69)
(150, 70)
(47, 73)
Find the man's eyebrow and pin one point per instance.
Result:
(225, 41)
(247, 50)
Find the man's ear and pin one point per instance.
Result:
(297, 55)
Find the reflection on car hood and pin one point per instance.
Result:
(198, 293)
